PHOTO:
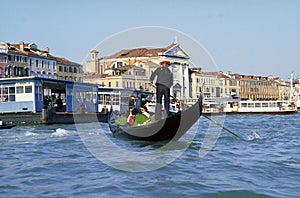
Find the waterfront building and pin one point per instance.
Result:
(68, 70)
(3, 58)
(211, 84)
(255, 87)
(26, 59)
(225, 85)
(131, 68)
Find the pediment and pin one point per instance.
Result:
(177, 51)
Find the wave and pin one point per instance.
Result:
(28, 133)
(60, 132)
(253, 136)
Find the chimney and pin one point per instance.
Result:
(21, 46)
(47, 49)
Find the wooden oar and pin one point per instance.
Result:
(220, 125)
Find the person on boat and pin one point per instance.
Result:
(131, 117)
(104, 109)
(59, 104)
(144, 111)
(144, 116)
(163, 84)
(131, 102)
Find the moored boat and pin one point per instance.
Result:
(170, 128)
(6, 126)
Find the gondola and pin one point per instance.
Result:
(170, 128)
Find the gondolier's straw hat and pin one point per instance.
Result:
(165, 61)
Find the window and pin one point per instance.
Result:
(20, 89)
(28, 89)
(36, 63)
(244, 105)
(119, 64)
(75, 70)
(7, 94)
(60, 69)
(257, 105)
(70, 69)
(250, 105)
(65, 69)
(12, 92)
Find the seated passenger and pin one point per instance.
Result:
(131, 117)
(144, 111)
(144, 117)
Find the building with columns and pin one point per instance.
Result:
(131, 68)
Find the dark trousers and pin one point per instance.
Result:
(162, 90)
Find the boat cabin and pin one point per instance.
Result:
(32, 94)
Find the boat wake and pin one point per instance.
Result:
(252, 136)
(60, 132)
(28, 133)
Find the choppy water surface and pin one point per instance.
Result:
(53, 161)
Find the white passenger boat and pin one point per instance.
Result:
(260, 106)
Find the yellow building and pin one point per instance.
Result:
(224, 85)
(68, 70)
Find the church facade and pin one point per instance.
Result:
(132, 68)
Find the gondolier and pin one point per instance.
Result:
(163, 84)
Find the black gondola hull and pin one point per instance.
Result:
(171, 128)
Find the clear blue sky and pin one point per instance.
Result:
(249, 37)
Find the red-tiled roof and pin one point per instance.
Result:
(64, 60)
(139, 52)
(32, 51)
